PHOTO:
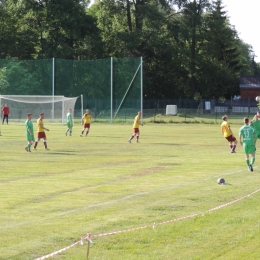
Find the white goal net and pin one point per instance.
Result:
(54, 108)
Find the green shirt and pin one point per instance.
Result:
(29, 126)
(69, 118)
(256, 125)
(248, 134)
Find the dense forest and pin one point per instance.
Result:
(189, 48)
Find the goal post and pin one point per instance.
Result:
(54, 108)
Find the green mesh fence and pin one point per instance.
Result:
(110, 87)
(26, 77)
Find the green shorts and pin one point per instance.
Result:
(257, 135)
(30, 138)
(69, 125)
(249, 149)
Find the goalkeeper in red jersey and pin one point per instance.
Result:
(137, 123)
(6, 113)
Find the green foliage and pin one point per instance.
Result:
(3, 82)
(27, 77)
(191, 52)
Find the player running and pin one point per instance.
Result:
(256, 125)
(247, 133)
(29, 133)
(41, 132)
(228, 134)
(87, 121)
(69, 122)
(137, 123)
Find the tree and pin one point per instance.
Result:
(219, 65)
(3, 82)
(192, 20)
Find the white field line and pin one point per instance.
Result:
(125, 198)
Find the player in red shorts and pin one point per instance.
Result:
(137, 123)
(228, 134)
(41, 132)
(87, 121)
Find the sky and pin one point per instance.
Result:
(244, 16)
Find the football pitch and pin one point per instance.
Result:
(162, 193)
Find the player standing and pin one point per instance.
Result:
(247, 133)
(29, 132)
(86, 121)
(69, 122)
(228, 134)
(5, 112)
(41, 132)
(137, 123)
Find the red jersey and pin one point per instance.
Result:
(5, 110)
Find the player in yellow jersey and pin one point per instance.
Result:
(228, 134)
(41, 132)
(86, 119)
(137, 123)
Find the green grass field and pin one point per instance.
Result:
(101, 183)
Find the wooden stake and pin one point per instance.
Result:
(88, 249)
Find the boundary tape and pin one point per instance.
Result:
(89, 237)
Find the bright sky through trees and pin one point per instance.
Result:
(244, 16)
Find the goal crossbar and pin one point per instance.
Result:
(54, 107)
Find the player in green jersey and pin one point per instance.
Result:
(256, 125)
(69, 122)
(247, 138)
(29, 132)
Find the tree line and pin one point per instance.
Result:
(189, 47)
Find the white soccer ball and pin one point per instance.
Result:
(221, 180)
(257, 98)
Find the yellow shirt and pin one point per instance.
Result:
(87, 118)
(137, 122)
(40, 125)
(225, 129)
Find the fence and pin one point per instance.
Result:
(112, 80)
(206, 108)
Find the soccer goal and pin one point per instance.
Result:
(54, 108)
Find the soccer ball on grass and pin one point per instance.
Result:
(221, 181)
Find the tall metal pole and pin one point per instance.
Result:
(81, 105)
(1, 113)
(111, 94)
(141, 71)
(53, 82)
(63, 112)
